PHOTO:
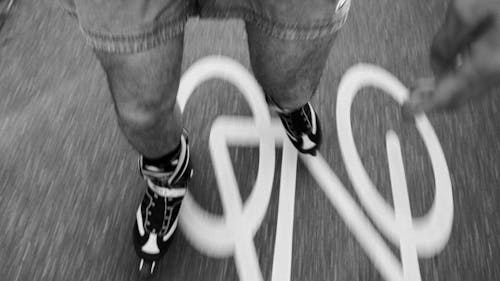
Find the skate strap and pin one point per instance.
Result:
(165, 191)
(182, 162)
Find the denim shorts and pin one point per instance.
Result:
(128, 26)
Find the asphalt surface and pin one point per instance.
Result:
(69, 188)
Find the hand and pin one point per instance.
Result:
(465, 57)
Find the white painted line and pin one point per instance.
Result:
(354, 80)
(219, 67)
(241, 221)
(353, 216)
(232, 233)
(241, 131)
(206, 232)
(245, 253)
(431, 231)
(255, 207)
(411, 269)
(282, 261)
(213, 239)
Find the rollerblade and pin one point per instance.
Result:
(302, 127)
(157, 215)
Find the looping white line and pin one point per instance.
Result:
(431, 231)
(232, 233)
(239, 223)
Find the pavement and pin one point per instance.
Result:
(69, 187)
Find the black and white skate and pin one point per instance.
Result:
(157, 215)
(303, 128)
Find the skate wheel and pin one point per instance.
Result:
(147, 268)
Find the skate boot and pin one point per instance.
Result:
(157, 215)
(302, 128)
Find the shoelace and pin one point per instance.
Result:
(154, 217)
(159, 211)
(158, 214)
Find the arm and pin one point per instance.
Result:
(464, 55)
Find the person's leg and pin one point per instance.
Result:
(139, 45)
(288, 70)
(144, 87)
(288, 52)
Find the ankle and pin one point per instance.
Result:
(283, 107)
(165, 162)
(170, 169)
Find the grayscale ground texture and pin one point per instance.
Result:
(69, 187)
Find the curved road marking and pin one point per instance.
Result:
(232, 234)
(433, 230)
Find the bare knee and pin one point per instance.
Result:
(140, 115)
(289, 71)
(144, 85)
